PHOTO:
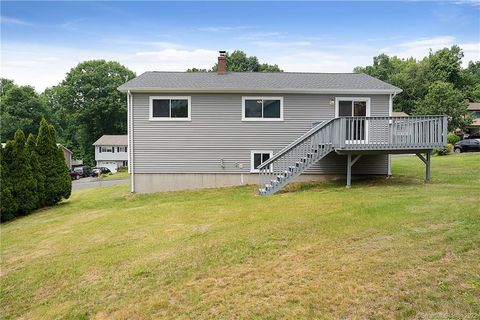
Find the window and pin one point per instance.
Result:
(121, 149)
(106, 149)
(257, 158)
(262, 108)
(170, 108)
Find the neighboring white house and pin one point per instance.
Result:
(111, 152)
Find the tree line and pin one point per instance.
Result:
(86, 104)
(436, 84)
(33, 172)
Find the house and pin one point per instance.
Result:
(212, 129)
(474, 127)
(67, 154)
(111, 151)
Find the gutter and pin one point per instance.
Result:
(259, 90)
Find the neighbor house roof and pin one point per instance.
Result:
(112, 140)
(62, 146)
(399, 114)
(474, 106)
(251, 82)
(475, 123)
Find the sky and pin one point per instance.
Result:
(42, 41)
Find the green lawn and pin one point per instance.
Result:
(386, 248)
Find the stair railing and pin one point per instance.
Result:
(297, 156)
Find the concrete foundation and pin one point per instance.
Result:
(159, 182)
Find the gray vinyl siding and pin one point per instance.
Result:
(216, 131)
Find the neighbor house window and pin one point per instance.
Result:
(262, 108)
(106, 149)
(121, 149)
(257, 158)
(170, 108)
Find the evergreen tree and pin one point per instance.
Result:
(8, 204)
(64, 180)
(31, 148)
(57, 184)
(21, 174)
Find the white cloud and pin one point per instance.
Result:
(223, 28)
(320, 61)
(282, 44)
(468, 2)
(173, 59)
(15, 21)
(43, 66)
(73, 24)
(420, 48)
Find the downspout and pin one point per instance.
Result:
(390, 111)
(131, 146)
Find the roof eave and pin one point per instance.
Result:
(259, 90)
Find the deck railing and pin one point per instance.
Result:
(351, 134)
(386, 133)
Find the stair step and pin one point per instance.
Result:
(274, 182)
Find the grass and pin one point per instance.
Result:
(384, 249)
(115, 176)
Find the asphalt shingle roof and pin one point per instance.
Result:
(112, 140)
(257, 81)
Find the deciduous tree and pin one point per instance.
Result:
(443, 99)
(21, 108)
(88, 104)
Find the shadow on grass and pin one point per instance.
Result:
(357, 182)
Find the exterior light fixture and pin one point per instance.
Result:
(332, 102)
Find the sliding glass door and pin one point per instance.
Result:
(356, 128)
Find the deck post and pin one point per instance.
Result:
(350, 164)
(427, 168)
(349, 171)
(426, 160)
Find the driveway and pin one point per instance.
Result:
(88, 183)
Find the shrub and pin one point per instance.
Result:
(444, 151)
(452, 138)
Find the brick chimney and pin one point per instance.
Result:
(222, 63)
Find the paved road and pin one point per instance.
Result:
(87, 183)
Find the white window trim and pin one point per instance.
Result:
(262, 98)
(150, 108)
(367, 113)
(252, 165)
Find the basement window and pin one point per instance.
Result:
(262, 108)
(257, 158)
(170, 108)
